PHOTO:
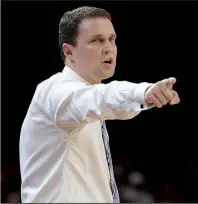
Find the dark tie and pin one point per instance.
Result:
(113, 185)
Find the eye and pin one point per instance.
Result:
(112, 39)
(97, 40)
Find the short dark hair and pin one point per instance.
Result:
(70, 21)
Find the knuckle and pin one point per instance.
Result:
(149, 97)
(155, 88)
(169, 95)
(158, 83)
(159, 105)
(158, 102)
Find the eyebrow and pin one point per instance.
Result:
(100, 35)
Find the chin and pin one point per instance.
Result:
(109, 74)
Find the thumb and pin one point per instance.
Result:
(175, 99)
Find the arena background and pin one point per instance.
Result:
(154, 153)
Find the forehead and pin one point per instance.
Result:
(96, 26)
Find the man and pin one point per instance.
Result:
(64, 148)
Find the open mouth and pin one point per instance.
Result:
(109, 61)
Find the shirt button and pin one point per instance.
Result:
(141, 106)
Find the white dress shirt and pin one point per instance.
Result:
(62, 156)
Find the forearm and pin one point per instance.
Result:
(116, 100)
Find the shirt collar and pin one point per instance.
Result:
(67, 71)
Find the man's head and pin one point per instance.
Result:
(87, 41)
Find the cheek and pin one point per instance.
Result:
(115, 51)
(93, 54)
(88, 56)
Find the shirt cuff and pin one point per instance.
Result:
(140, 95)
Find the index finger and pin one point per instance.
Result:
(169, 82)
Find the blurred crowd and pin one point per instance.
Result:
(10, 183)
(134, 189)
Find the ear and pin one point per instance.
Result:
(67, 50)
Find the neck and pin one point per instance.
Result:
(83, 75)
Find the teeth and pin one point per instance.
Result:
(108, 60)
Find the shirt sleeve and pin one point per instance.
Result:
(73, 103)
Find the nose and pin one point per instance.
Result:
(108, 48)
